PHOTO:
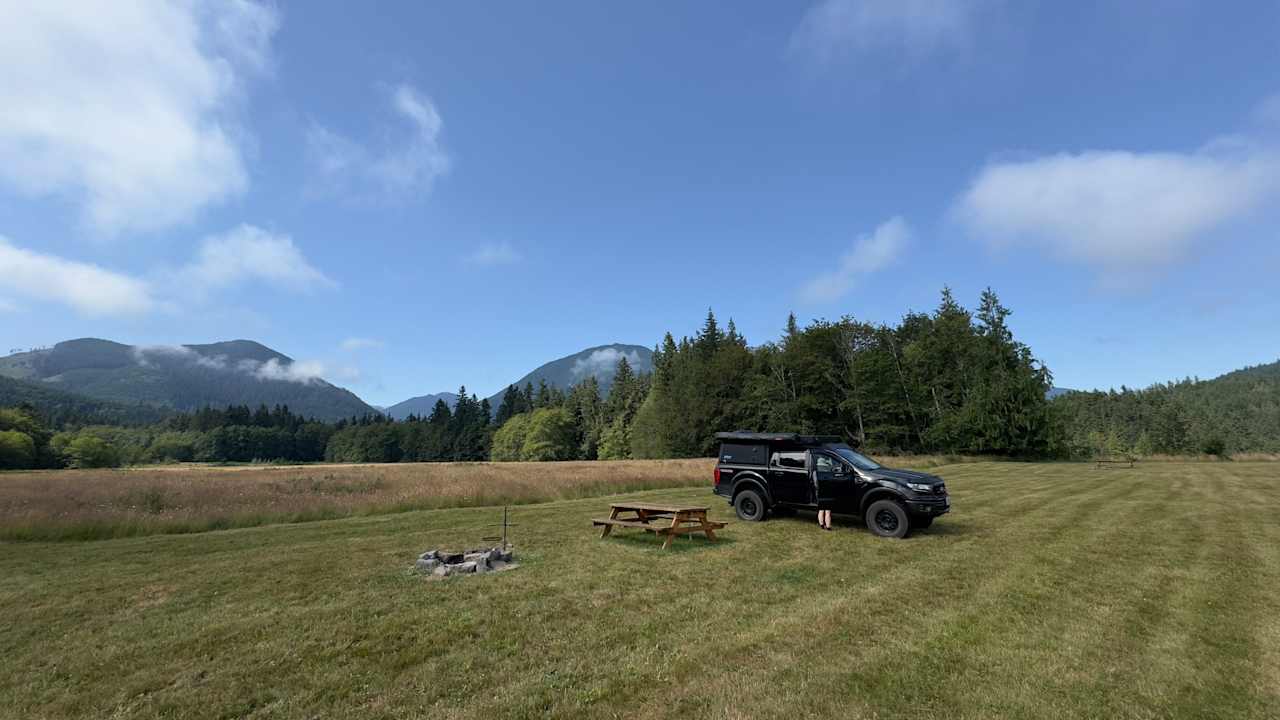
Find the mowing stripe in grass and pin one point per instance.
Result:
(1048, 593)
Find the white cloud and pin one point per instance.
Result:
(869, 254)
(89, 289)
(1117, 210)
(244, 254)
(249, 253)
(128, 109)
(142, 354)
(603, 361)
(917, 28)
(299, 371)
(495, 254)
(398, 168)
(352, 344)
(302, 371)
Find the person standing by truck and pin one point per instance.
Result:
(823, 503)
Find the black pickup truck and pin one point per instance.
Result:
(758, 472)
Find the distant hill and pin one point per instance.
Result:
(1057, 391)
(421, 405)
(182, 377)
(569, 370)
(60, 408)
(1235, 412)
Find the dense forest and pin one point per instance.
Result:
(949, 381)
(1235, 413)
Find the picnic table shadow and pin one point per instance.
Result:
(682, 543)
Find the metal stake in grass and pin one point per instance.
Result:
(504, 526)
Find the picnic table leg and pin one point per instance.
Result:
(706, 527)
(613, 515)
(671, 534)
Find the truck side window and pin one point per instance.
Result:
(789, 460)
(823, 463)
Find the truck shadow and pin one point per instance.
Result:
(682, 543)
(853, 523)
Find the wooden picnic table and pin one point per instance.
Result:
(682, 520)
(1105, 462)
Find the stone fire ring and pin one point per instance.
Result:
(439, 564)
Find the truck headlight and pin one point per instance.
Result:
(921, 488)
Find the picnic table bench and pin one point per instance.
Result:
(680, 520)
(1106, 462)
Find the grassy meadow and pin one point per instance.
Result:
(149, 500)
(1051, 591)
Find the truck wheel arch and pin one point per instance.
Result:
(880, 493)
(753, 482)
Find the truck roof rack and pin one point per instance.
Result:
(797, 438)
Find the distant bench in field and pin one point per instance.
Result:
(1100, 463)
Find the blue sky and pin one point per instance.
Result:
(442, 193)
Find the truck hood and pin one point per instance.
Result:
(903, 476)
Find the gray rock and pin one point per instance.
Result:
(427, 564)
(430, 555)
(466, 567)
(441, 570)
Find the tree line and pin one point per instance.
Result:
(1236, 413)
(952, 380)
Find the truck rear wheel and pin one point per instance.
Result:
(749, 506)
(887, 518)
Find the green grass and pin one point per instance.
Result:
(1052, 591)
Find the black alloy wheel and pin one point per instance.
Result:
(887, 518)
(749, 506)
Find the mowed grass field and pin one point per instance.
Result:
(1051, 591)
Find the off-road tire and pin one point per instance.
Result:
(749, 506)
(887, 519)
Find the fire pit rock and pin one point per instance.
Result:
(440, 563)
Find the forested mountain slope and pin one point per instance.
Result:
(59, 408)
(1235, 412)
(600, 362)
(183, 377)
(421, 405)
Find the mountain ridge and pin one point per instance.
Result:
(183, 377)
(564, 372)
(567, 371)
(421, 405)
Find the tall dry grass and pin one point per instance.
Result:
(99, 504)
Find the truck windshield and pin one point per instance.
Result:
(860, 461)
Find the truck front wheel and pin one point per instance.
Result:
(887, 518)
(749, 505)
